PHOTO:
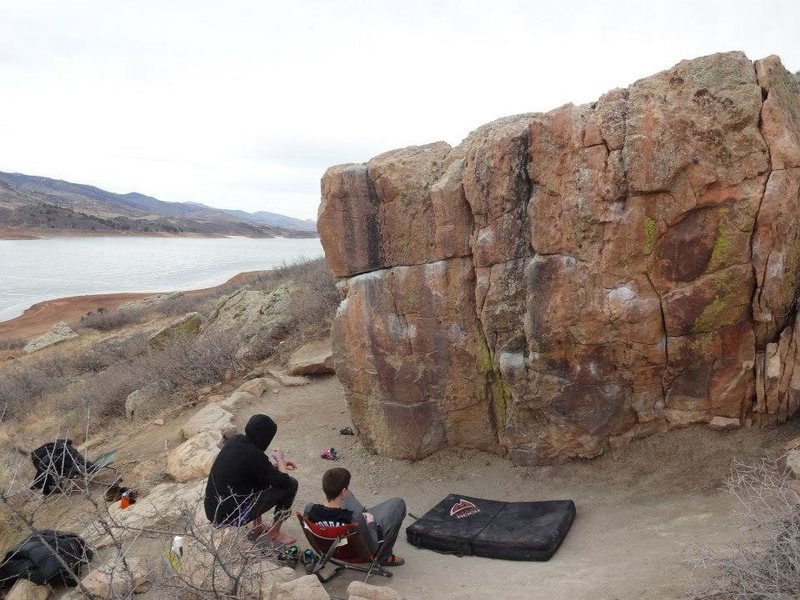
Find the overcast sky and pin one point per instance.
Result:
(242, 104)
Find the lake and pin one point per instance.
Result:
(35, 270)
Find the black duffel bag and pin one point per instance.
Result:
(32, 559)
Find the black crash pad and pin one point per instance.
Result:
(468, 526)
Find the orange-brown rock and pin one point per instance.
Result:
(566, 281)
(411, 356)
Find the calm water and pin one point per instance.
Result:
(36, 270)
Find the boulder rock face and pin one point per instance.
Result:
(188, 324)
(261, 318)
(566, 281)
(59, 332)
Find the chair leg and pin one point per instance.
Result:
(318, 572)
(374, 568)
(328, 558)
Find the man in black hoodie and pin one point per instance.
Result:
(244, 484)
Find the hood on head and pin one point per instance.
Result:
(260, 429)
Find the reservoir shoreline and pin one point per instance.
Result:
(39, 317)
(35, 271)
(38, 233)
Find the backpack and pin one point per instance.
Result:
(56, 460)
(32, 559)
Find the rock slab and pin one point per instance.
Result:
(314, 358)
(303, 588)
(193, 458)
(117, 580)
(209, 418)
(358, 590)
(26, 590)
(60, 332)
(188, 324)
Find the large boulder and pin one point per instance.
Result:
(210, 418)
(314, 358)
(59, 332)
(146, 403)
(303, 588)
(165, 505)
(261, 319)
(609, 270)
(193, 458)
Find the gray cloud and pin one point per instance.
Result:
(245, 104)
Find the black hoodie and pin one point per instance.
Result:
(242, 470)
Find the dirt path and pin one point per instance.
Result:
(639, 507)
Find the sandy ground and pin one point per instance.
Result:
(38, 318)
(640, 508)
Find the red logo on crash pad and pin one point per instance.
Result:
(463, 508)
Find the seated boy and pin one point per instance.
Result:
(341, 507)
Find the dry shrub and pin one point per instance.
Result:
(105, 354)
(103, 375)
(106, 391)
(313, 309)
(197, 360)
(11, 344)
(103, 319)
(62, 376)
(766, 566)
(22, 388)
(185, 360)
(181, 304)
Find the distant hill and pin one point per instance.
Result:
(270, 218)
(42, 204)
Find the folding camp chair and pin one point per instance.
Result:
(95, 472)
(100, 465)
(344, 547)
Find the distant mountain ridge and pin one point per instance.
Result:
(28, 201)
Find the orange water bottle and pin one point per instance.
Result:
(125, 502)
